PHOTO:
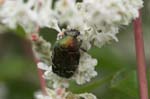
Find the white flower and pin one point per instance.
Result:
(103, 38)
(46, 16)
(65, 10)
(51, 94)
(54, 24)
(14, 12)
(87, 96)
(54, 80)
(28, 14)
(86, 69)
(42, 66)
(39, 95)
(44, 11)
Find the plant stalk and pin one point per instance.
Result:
(140, 57)
(28, 50)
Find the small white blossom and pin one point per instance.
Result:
(38, 95)
(54, 25)
(51, 94)
(65, 10)
(86, 69)
(46, 16)
(54, 80)
(87, 96)
(42, 66)
(43, 10)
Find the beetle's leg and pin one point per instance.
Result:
(60, 34)
(82, 49)
(80, 42)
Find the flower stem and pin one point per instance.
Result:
(28, 50)
(42, 81)
(141, 68)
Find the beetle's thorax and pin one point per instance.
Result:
(69, 42)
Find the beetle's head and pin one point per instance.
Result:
(72, 32)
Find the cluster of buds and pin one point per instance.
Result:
(41, 48)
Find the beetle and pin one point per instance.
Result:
(66, 54)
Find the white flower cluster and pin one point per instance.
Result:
(41, 49)
(86, 69)
(62, 94)
(28, 14)
(97, 20)
(54, 80)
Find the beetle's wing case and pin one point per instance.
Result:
(65, 58)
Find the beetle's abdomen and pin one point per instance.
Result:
(65, 62)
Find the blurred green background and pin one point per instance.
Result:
(117, 77)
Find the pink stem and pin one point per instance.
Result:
(141, 68)
(28, 50)
(42, 80)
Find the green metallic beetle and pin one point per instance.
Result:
(66, 54)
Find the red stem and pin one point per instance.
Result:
(141, 68)
(28, 50)
(42, 81)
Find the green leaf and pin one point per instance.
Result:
(126, 82)
(20, 31)
(93, 85)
